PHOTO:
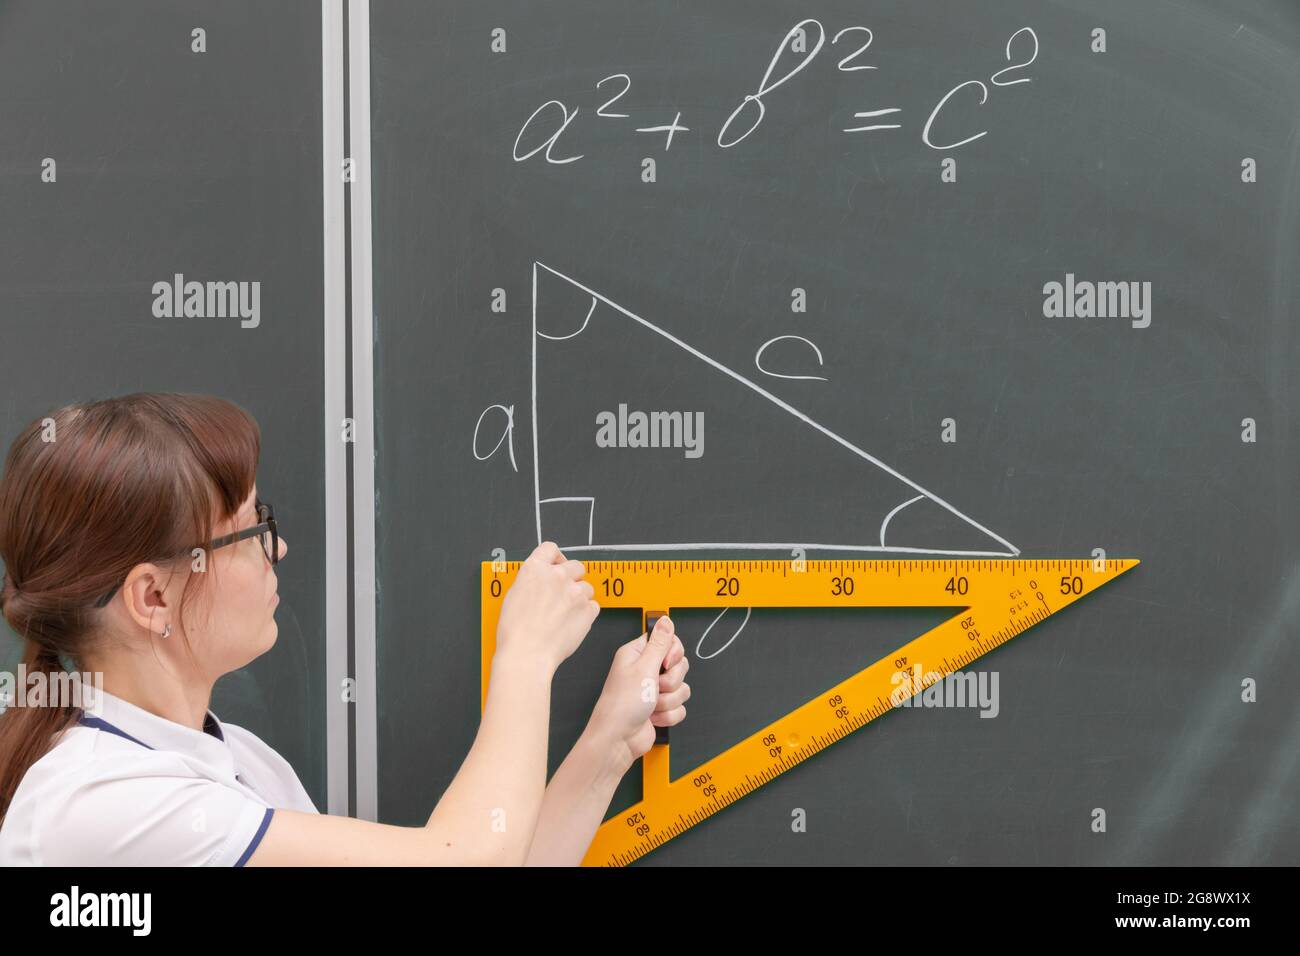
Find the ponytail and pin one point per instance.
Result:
(27, 731)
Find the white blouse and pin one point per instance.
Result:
(124, 787)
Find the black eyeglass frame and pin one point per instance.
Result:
(264, 511)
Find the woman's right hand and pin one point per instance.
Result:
(548, 610)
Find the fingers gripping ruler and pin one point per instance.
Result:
(994, 601)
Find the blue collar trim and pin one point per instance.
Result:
(100, 723)
(210, 726)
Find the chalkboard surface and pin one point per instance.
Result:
(171, 161)
(916, 278)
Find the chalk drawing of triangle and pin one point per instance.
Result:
(767, 477)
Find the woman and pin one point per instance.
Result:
(135, 546)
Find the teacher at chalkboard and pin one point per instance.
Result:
(136, 547)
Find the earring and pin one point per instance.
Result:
(167, 630)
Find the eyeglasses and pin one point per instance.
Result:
(266, 532)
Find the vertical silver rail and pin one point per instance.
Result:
(337, 744)
(363, 414)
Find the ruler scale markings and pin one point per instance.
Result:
(981, 621)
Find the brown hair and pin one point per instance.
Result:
(89, 492)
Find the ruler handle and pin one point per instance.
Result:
(651, 619)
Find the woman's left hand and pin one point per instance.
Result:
(637, 698)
